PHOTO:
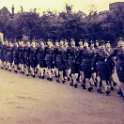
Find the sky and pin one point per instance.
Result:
(58, 5)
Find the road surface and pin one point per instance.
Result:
(24, 100)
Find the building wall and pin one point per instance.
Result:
(116, 6)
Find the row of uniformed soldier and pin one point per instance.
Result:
(88, 65)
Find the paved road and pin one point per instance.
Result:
(24, 100)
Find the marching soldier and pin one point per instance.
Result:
(85, 59)
(5, 46)
(33, 59)
(110, 64)
(26, 58)
(41, 60)
(21, 56)
(59, 62)
(119, 54)
(102, 70)
(56, 54)
(9, 56)
(49, 56)
(72, 66)
(16, 57)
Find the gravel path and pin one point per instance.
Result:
(24, 100)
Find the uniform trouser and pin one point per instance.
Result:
(84, 80)
(120, 84)
(102, 84)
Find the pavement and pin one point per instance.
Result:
(24, 100)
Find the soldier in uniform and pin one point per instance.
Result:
(16, 57)
(41, 60)
(56, 49)
(81, 46)
(26, 57)
(102, 70)
(21, 56)
(94, 48)
(33, 59)
(85, 58)
(4, 55)
(72, 52)
(9, 56)
(59, 62)
(49, 60)
(110, 64)
(119, 54)
(65, 62)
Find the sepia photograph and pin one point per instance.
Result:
(61, 61)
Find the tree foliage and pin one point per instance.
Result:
(108, 25)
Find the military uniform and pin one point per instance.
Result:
(26, 56)
(33, 57)
(103, 71)
(41, 57)
(49, 56)
(15, 55)
(59, 58)
(85, 59)
(119, 63)
(71, 59)
(10, 54)
(100, 63)
(21, 55)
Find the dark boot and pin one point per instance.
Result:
(83, 86)
(63, 81)
(99, 91)
(108, 92)
(42, 77)
(71, 84)
(75, 85)
(50, 79)
(90, 89)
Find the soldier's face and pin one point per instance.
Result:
(66, 44)
(61, 43)
(33, 44)
(21, 43)
(42, 44)
(16, 44)
(86, 44)
(57, 44)
(97, 44)
(92, 45)
(73, 44)
(121, 45)
(49, 44)
(28, 44)
(108, 45)
(80, 43)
